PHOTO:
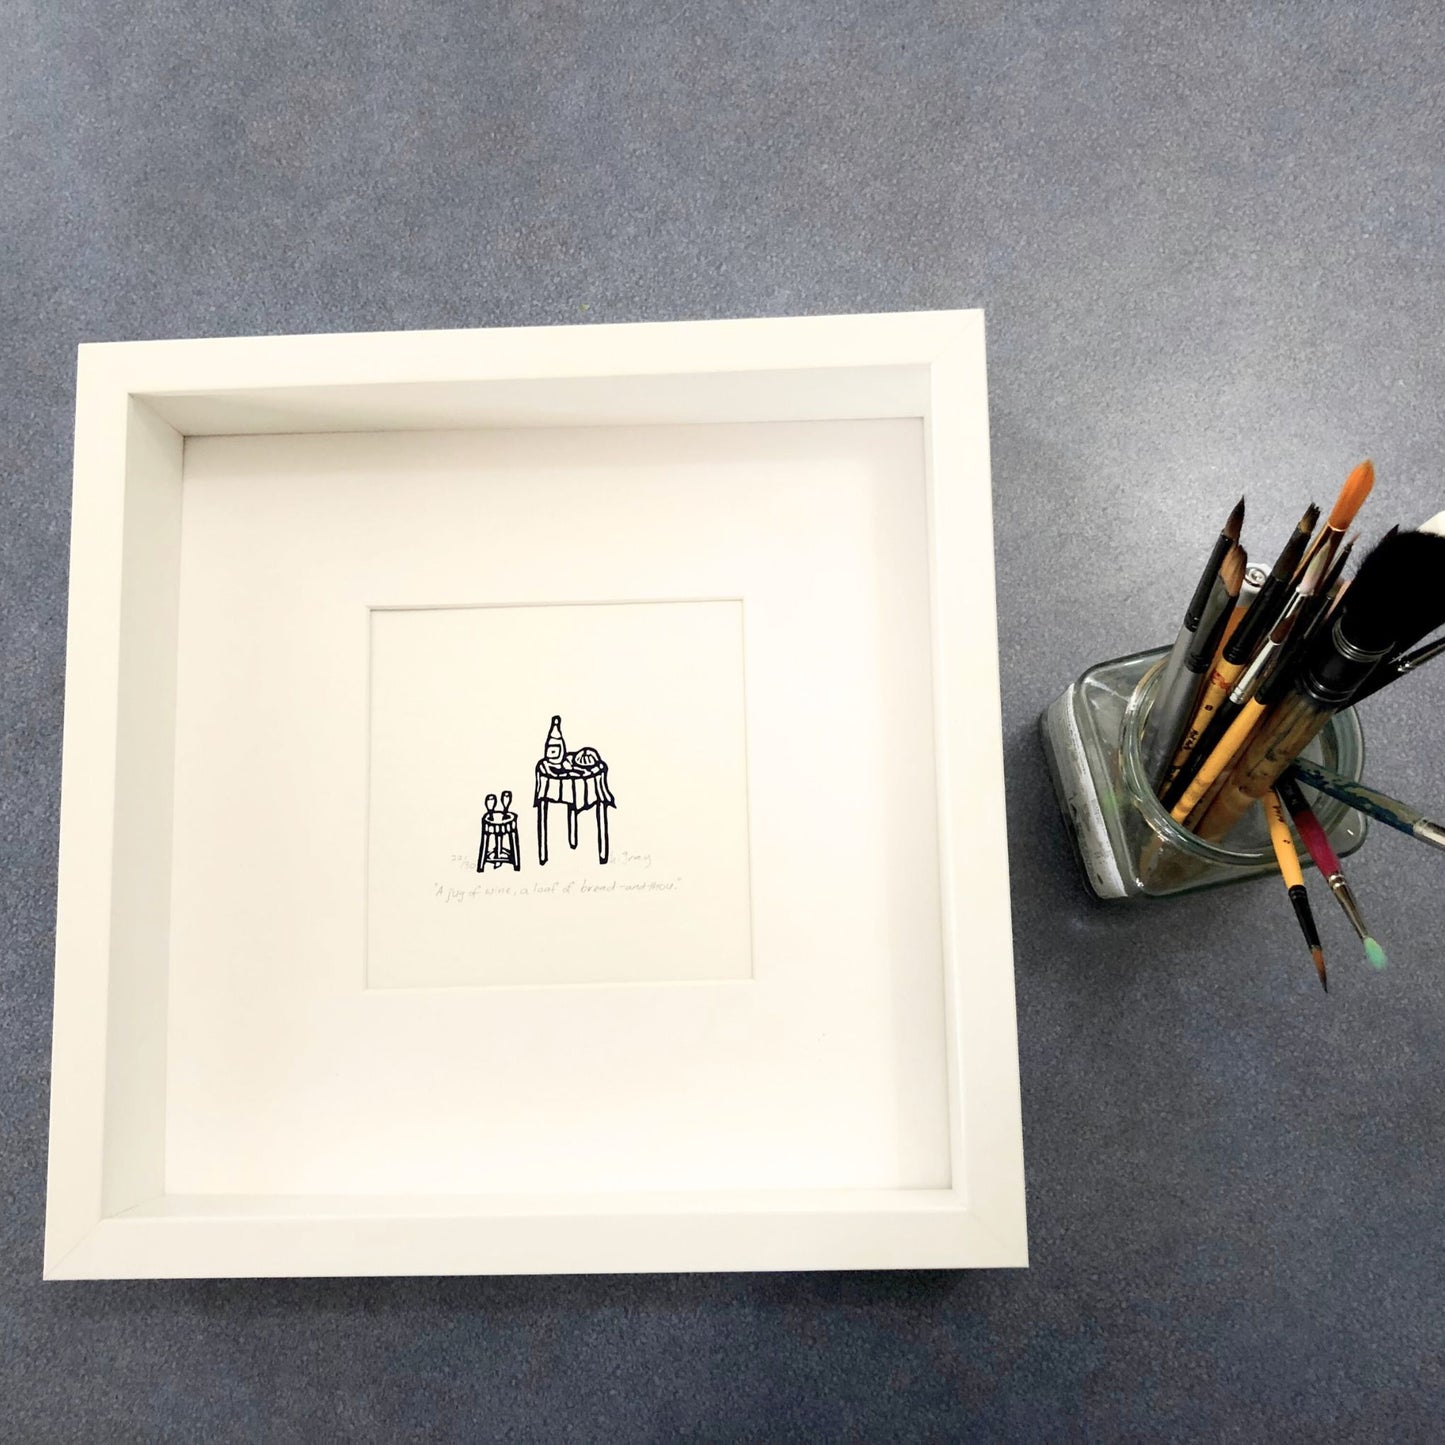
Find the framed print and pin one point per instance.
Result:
(523, 794)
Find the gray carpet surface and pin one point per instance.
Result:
(1209, 242)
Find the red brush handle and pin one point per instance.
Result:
(1310, 831)
(1317, 843)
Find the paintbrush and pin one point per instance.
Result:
(1401, 665)
(1347, 505)
(1394, 668)
(1326, 597)
(1294, 881)
(1254, 578)
(1160, 743)
(1397, 597)
(1255, 688)
(1175, 707)
(1373, 804)
(1263, 614)
(1432, 549)
(1235, 722)
(1327, 861)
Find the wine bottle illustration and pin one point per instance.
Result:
(556, 748)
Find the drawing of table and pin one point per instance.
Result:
(577, 786)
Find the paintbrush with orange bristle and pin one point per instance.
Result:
(1347, 505)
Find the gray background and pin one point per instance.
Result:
(1208, 238)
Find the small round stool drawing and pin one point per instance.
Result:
(499, 836)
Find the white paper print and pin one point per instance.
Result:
(502, 847)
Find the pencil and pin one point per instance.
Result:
(1165, 720)
(1372, 803)
(1327, 861)
(1294, 880)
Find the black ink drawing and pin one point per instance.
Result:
(578, 781)
(499, 836)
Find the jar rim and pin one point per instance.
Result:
(1158, 818)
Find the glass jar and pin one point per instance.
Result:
(1126, 841)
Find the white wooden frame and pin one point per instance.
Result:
(107, 1213)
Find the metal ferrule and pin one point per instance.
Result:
(1348, 650)
(1300, 898)
(1249, 678)
(1337, 668)
(1341, 890)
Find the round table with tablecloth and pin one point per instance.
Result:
(577, 786)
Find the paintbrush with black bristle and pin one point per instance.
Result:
(1396, 598)
(1403, 661)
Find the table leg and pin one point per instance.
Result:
(542, 833)
(482, 855)
(571, 826)
(604, 844)
(516, 846)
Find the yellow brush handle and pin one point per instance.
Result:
(1221, 683)
(1219, 759)
(1284, 734)
(1284, 849)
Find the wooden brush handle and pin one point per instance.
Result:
(1283, 734)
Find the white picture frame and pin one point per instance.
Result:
(109, 1213)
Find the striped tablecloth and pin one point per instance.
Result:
(579, 788)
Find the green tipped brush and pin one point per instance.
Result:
(1326, 860)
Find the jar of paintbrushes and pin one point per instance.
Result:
(1237, 751)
